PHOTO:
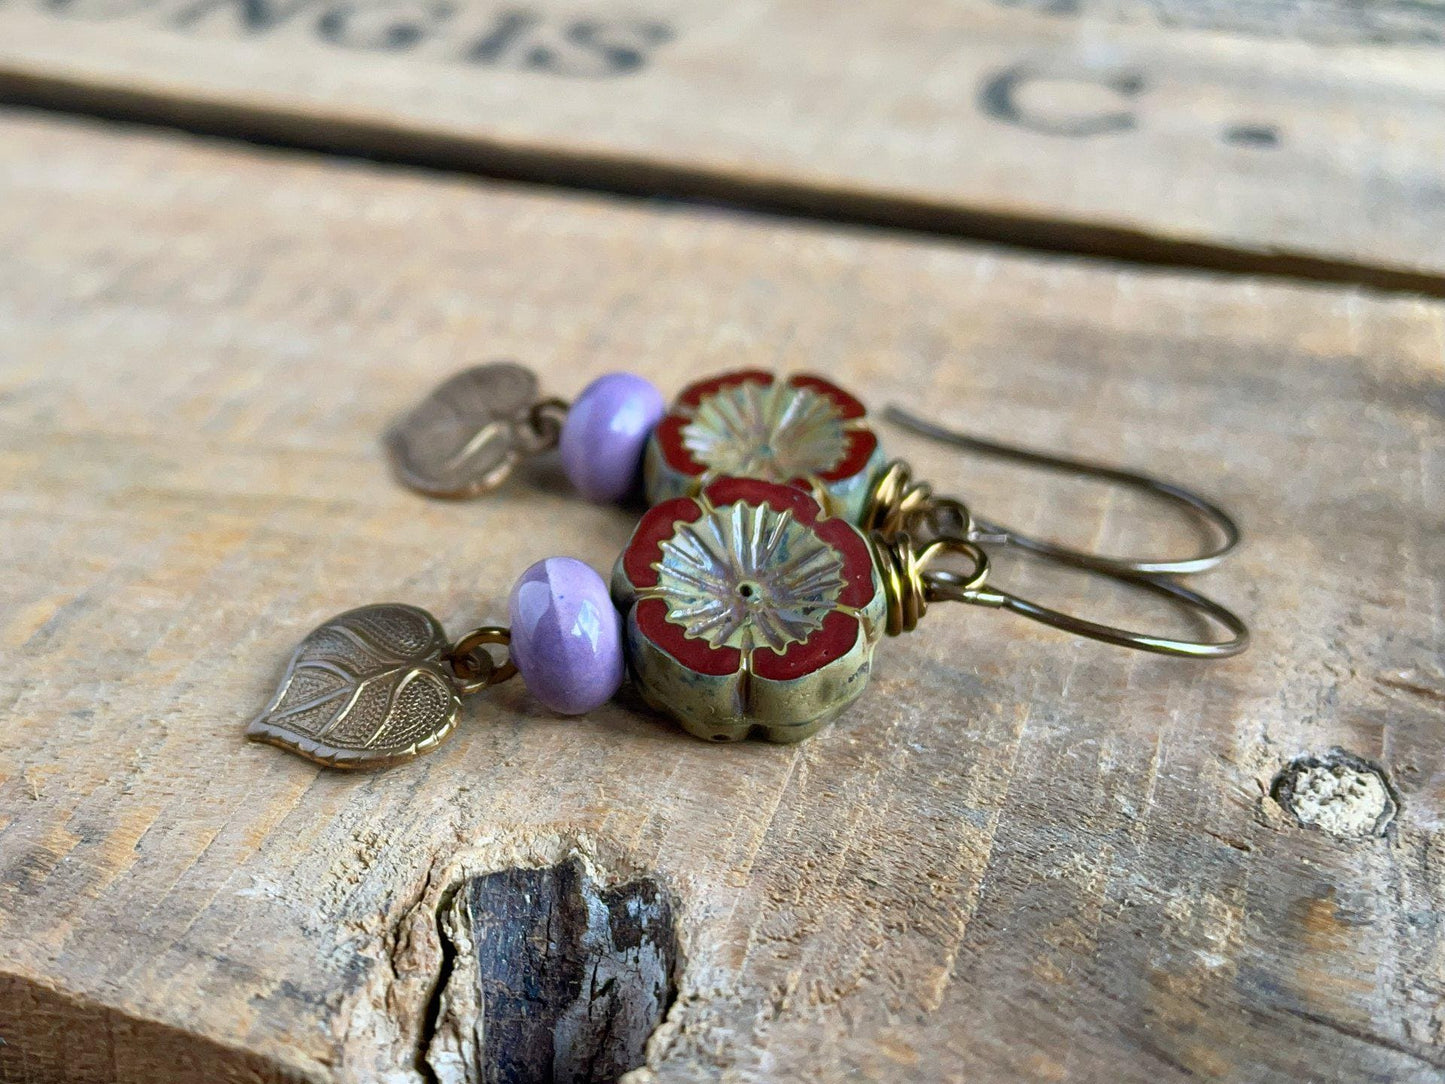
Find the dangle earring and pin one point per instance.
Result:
(466, 437)
(779, 549)
(383, 683)
(748, 608)
(808, 432)
(804, 431)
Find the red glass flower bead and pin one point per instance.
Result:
(801, 431)
(748, 607)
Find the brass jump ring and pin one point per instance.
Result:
(541, 427)
(474, 669)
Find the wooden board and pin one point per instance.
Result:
(1021, 857)
(1298, 139)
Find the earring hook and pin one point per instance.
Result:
(942, 586)
(911, 581)
(1221, 524)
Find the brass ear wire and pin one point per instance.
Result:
(941, 588)
(910, 584)
(896, 497)
(911, 529)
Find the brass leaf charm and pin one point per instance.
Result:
(367, 688)
(464, 438)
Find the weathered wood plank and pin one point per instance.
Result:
(1020, 858)
(1303, 139)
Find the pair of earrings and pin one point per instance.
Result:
(779, 547)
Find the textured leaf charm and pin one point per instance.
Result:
(367, 688)
(464, 438)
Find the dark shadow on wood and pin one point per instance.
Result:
(638, 177)
(48, 1037)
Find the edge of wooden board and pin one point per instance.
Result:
(622, 175)
(1338, 208)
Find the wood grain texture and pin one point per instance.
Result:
(1300, 138)
(1019, 858)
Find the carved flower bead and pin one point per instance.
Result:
(748, 607)
(802, 431)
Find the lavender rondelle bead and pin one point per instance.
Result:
(566, 635)
(605, 433)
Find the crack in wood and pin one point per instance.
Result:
(1364, 1035)
(1414, 688)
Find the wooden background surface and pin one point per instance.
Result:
(1289, 135)
(1020, 857)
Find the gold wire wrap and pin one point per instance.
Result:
(895, 498)
(902, 581)
(898, 505)
(909, 584)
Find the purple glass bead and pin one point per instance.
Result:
(605, 433)
(566, 635)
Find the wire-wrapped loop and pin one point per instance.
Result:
(908, 582)
(898, 505)
(939, 583)
(902, 581)
(895, 499)
(910, 529)
(540, 427)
